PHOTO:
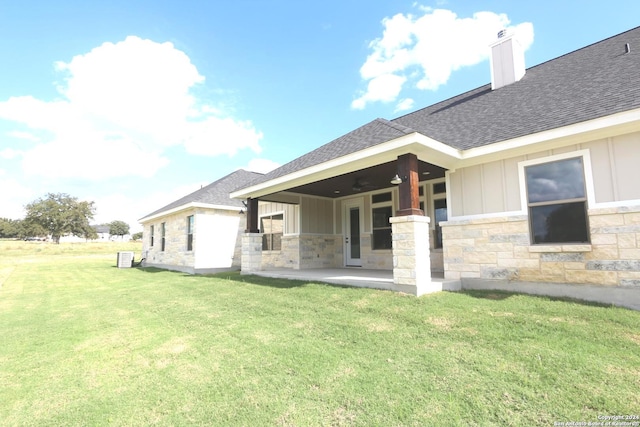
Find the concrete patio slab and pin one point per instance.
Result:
(354, 276)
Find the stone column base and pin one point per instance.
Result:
(411, 264)
(251, 258)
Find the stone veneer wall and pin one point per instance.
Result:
(375, 260)
(499, 248)
(305, 251)
(175, 255)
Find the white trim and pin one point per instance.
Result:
(192, 205)
(617, 204)
(381, 153)
(483, 216)
(435, 152)
(602, 127)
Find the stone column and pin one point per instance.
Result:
(411, 264)
(251, 258)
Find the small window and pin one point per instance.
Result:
(381, 227)
(440, 188)
(151, 231)
(440, 212)
(272, 228)
(380, 198)
(557, 202)
(162, 236)
(190, 233)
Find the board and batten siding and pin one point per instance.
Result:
(494, 187)
(310, 215)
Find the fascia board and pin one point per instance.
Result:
(426, 148)
(615, 124)
(192, 205)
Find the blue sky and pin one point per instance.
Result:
(132, 104)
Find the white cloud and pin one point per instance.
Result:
(14, 197)
(129, 209)
(28, 136)
(121, 106)
(404, 105)
(262, 165)
(424, 50)
(9, 154)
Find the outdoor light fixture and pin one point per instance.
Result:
(397, 180)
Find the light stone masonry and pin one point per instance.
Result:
(499, 248)
(410, 239)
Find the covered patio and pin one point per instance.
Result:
(358, 277)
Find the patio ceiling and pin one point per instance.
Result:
(363, 180)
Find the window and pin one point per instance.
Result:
(272, 227)
(381, 211)
(557, 202)
(190, 233)
(162, 236)
(151, 235)
(440, 213)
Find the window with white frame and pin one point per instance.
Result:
(381, 211)
(272, 228)
(438, 209)
(151, 236)
(557, 201)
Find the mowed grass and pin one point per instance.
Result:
(86, 343)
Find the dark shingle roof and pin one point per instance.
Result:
(373, 133)
(592, 82)
(216, 193)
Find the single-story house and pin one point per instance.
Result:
(103, 231)
(200, 232)
(526, 183)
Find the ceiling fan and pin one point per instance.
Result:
(360, 184)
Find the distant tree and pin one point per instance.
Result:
(137, 236)
(9, 228)
(118, 228)
(29, 229)
(59, 214)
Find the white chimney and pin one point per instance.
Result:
(507, 60)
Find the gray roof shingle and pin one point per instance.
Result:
(592, 82)
(373, 133)
(216, 193)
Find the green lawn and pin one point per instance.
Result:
(86, 343)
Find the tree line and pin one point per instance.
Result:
(57, 215)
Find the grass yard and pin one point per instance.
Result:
(86, 343)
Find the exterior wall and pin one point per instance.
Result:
(493, 187)
(499, 248)
(316, 216)
(216, 241)
(305, 251)
(487, 236)
(381, 259)
(313, 236)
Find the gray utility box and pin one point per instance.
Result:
(125, 259)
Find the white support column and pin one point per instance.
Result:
(411, 264)
(251, 258)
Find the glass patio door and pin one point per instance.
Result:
(353, 221)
